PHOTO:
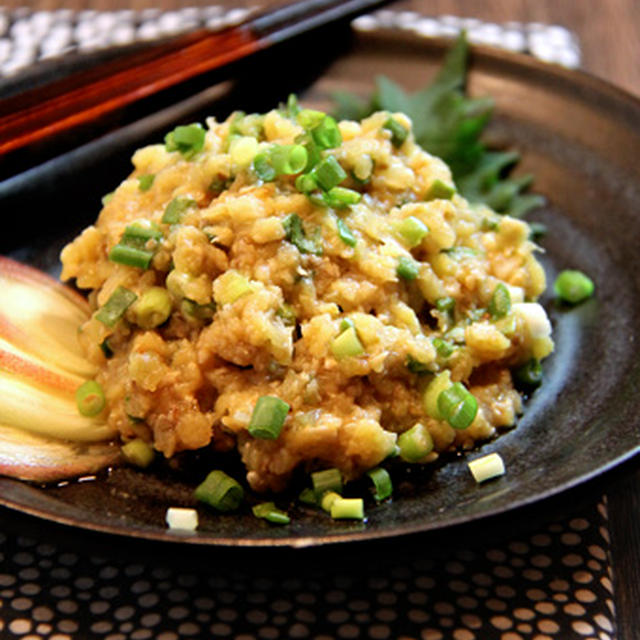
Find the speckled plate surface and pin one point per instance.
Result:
(579, 136)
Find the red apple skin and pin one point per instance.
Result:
(11, 269)
(35, 374)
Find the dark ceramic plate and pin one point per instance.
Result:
(579, 136)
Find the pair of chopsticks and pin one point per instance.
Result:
(87, 96)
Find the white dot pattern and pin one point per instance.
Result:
(29, 36)
(520, 589)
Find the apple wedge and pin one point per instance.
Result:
(36, 371)
(43, 436)
(27, 456)
(41, 316)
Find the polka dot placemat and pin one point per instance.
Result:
(552, 584)
(29, 36)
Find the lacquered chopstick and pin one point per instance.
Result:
(90, 95)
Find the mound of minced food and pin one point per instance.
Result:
(329, 266)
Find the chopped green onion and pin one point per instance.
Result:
(340, 197)
(489, 225)
(231, 286)
(346, 344)
(381, 479)
(268, 511)
(220, 491)
(288, 159)
(263, 167)
(439, 190)
(309, 118)
(407, 269)
(106, 199)
(145, 182)
(181, 519)
(415, 366)
(308, 496)
(153, 308)
(529, 374)
(326, 480)
(457, 406)
(443, 347)
(306, 183)
(486, 467)
(348, 509)
(346, 323)
(90, 398)
(430, 397)
(573, 286)
(416, 443)
(327, 500)
(293, 108)
(188, 140)
(412, 231)
(500, 303)
(295, 234)
(137, 235)
(287, 313)
(446, 304)
(114, 308)
(327, 134)
(176, 209)
(131, 256)
(345, 234)
(398, 132)
(328, 173)
(197, 311)
(138, 452)
(268, 417)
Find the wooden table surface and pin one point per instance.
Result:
(609, 36)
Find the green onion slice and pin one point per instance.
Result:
(268, 511)
(90, 398)
(220, 491)
(412, 230)
(131, 256)
(348, 508)
(439, 190)
(446, 304)
(326, 480)
(346, 344)
(500, 303)
(529, 374)
(444, 348)
(398, 132)
(176, 209)
(306, 183)
(381, 479)
(263, 167)
(188, 140)
(115, 307)
(268, 417)
(345, 234)
(296, 235)
(145, 182)
(340, 197)
(328, 173)
(138, 452)
(573, 286)
(457, 406)
(327, 134)
(407, 268)
(415, 444)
